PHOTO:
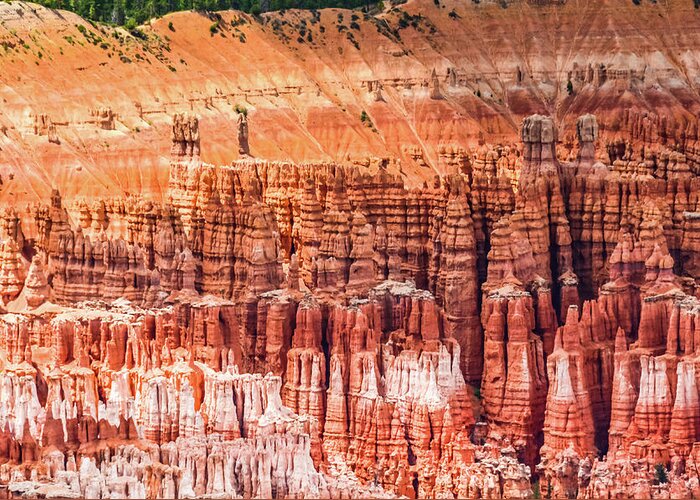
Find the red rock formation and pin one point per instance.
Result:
(311, 216)
(514, 384)
(242, 122)
(624, 393)
(540, 210)
(185, 137)
(491, 199)
(36, 287)
(12, 272)
(334, 259)
(690, 244)
(281, 329)
(569, 419)
(457, 279)
(362, 273)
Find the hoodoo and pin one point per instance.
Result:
(421, 250)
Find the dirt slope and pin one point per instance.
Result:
(305, 78)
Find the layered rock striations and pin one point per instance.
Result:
(75, 120)
(325, 330)
(514, 381)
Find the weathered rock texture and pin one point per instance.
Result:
(87, 109)
(476, 322)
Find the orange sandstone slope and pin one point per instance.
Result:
(87, 109)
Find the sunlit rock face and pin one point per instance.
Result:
(323, 330)
(462, 296)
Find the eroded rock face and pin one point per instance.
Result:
(185, 136)
(514, 382)
(323, 330)
(36, 286)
